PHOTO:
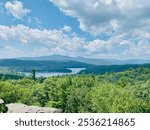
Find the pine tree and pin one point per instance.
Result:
(33, 75)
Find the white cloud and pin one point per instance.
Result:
(127, 46)
(67, 28)
(98, 46)
(16, 9)
(26, 41)
(125, 22)
(48, 41)
(107, 16)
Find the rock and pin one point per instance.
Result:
(1, 101)
(22, 108)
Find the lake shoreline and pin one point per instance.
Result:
(50, 74)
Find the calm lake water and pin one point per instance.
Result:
(49, 74)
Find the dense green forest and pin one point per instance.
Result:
(102, 69)
(7, 73)
(127, 91)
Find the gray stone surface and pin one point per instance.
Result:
(21, 108)
(1, 101)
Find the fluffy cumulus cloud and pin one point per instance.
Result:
(99, 46)
(16, 9)
(67, 28)
(126, 46)
(21, 40)
(135, 43)
(125, 22)
(40, 42)
(107, 16)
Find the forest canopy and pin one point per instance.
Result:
(127, 91)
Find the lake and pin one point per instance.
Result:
(50, 74)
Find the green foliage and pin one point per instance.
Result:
(33, 74)
(102, 69)
(127, 91)
(6, 73)
(111, 98)
(3, 108)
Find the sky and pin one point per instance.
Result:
(104, 29)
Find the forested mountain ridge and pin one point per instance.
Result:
(102, 69)
(42, 66)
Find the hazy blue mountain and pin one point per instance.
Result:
(87, 60)
(49, 58)
(135, 61)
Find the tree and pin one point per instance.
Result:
(33, 76)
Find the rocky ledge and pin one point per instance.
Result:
(22, 108)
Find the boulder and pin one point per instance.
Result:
(1, 101)
(22, 108)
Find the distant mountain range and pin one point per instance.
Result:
(59, 63)
(86, 60)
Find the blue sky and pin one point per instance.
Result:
(110, 29)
